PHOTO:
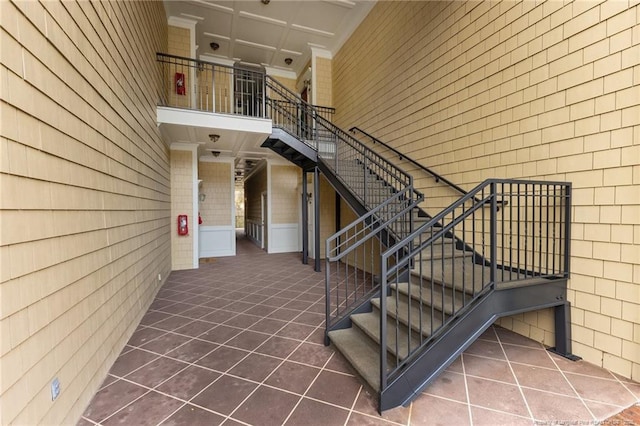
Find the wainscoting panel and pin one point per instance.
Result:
(284, 238)
(217, 241)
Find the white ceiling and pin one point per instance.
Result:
(266, 34)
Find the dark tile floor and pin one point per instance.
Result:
(240, 341)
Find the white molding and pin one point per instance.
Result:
(187, 117)
(183, 146)
(321, 53)
(220, 241)
(217, 60)
(211, 159)
(176, 21)
(286, 238)
(277, 72)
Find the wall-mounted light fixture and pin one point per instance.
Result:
(265, 1)
(215, 153)
(288, 61)
(214, 46)
(214, 138)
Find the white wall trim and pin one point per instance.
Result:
(212, 159)
(185, 117)
(217, 60)
(217, 241)
(316, 52)
(277, 72)
(284, 238)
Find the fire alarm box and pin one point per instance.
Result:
(183, 225)
(180, 87)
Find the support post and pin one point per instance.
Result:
(562, 315)
(305, 220)
(316, 217)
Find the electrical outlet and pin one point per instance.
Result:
(55, 389)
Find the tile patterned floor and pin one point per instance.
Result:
(240, 342)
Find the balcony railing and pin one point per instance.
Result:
(205, 86)
(238, 90)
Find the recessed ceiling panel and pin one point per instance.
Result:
(258, 31)
(322, 16)
(255, 55)
(284, 26)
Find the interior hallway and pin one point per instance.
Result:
(240, 341)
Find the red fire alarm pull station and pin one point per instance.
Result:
(180, 88)
(183, 225)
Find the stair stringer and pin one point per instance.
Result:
(425, 366)
(308, 157)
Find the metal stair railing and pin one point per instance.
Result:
(340, 151)
(403, 157)
(526, 242)
(352, 253)
(291, 113)
(382, 188)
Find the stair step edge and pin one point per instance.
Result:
(361, 352)
(402, 317)
(369, 323)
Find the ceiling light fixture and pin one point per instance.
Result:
(214, 45)
(214, 138)
(265, 1)
(215, 153)
(288, 61)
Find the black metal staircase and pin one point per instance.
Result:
(408, 290)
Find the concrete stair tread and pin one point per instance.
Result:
(361, 352)
(459, 273)
(450, 301)
(401, 311)
(369, 323)
(443, 248)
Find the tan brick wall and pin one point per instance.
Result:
(286, 184)
(253, 188)
(323, 79)
(289, 83)
(182, 182)
(520, 89)
(84, 196)
(217, 185)
(179, 41)
(179, 44)
(327, 212)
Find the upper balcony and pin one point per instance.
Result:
(238, 104)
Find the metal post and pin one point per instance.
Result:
(567, 232)
(305, 221)
(316, 217)
(493, 237)
(563, 332)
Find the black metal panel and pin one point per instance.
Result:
(454, 339)
(280, 139)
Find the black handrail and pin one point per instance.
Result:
(402, 156)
